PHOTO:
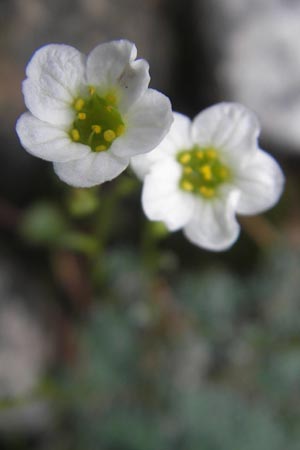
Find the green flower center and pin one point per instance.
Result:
(98, 122)
(202, 171)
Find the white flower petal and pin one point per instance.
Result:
(229, 127)
(133, 83)
(213, 225)
(47, 141)
(55, 75)
(147, 122)
(112, 66)
(95, 168)
(261, 183)
(177, 139)
(179, 135)
(63, 63)
(142, 164)
(106, 63)
(46, 107)
(162, 199)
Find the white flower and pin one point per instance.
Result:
(89, 115)
(207, 170)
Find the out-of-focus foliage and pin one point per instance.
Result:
(207, 361)
(161, 345)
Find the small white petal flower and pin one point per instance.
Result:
(89, 115)
(207, 170)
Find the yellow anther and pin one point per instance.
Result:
(109, 135)
(120, 130)
(100, 148)
(188, 170)
(96, 129)
(206, 172)
(200, 154)
(92, 90)
(187, 185)
(211, 153)
(81, 115)
(185, 158)
(111, 98)
(79, 104)
(75, 134)
(207, 191)
(109, 108)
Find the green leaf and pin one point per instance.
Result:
(43, 223)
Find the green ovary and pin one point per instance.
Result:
(98, 122)
(202, 171)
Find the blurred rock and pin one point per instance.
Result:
(257, 61)
(26, 419)
(26, 348)
(23, 349)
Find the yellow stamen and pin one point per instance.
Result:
(211, 153)
(187, 185)
(81, 116)
(206, 172)
(207, 192)
(109, 135)
(120, 130)
(79, 103)
(100, 148)
(109, 108)
(96, 129)
(200, 154)
(75, 134)
(92, 90)
(185, 158)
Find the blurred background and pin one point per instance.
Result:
(150, 343)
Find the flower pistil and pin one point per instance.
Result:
(202, 171)
(97, 122)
